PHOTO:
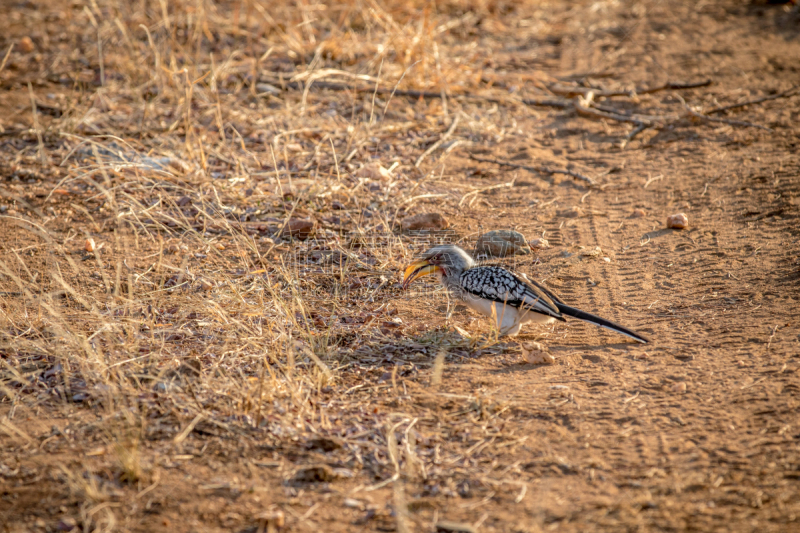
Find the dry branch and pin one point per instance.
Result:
(588, 108)
(785, 94)
(694, 114)
(536, 102)
(634, 132)
(742, 123)
(541, 169)
(570, 91)
(446, 135)
(5, 57)
(583, 103)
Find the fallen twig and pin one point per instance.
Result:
(545, 103)
(743, 123)
(785, 94)
(585, 106)
(636, 131)
(5, 58)
(692, 113)
(335, 86)
(583, 103)
(544, 170)
(570, 92)
(412, 93)
(485, 189)
(446, 135)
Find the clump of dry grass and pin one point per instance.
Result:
(193, 142)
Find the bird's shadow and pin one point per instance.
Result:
(460, 349)
(612, 345)
(650, 235)
(522, 366)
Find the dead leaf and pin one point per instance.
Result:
(425, 221)
(536, 354)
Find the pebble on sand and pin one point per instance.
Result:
(678, 221)
(299, 228)
(424, 221)
(502, 243)
(536, 354)
(26, 45)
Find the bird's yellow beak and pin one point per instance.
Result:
(416, 270)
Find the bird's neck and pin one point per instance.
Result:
(450, 278)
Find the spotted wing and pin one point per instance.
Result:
(500, 285)
(542, 288)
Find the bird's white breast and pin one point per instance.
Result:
(506, 315)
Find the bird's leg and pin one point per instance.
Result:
(449, 310)
(508, 323)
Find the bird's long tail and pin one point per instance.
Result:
(602, 322)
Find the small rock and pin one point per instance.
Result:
(679, 387)
(26, 45)
(343, 473)
(315, 474)
(572, 212)
(166, 386)
(594, 252)
(166, 163)
(206, 285)
(539, 243)
(299, 228)
(638, 213)
(89, 245)
(357, 239)
(679, 221)
(425, 221)
(536, 354)
(324, 444)
(191, 367)
(174, 248)
(67, 524)
(266, 88)
(374, 171)
(446, 526)
(183, 201)
(271, 519)
(353, 503)
(502, 243)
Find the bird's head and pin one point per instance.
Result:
(445, 260)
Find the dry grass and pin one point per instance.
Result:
(198, 307)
